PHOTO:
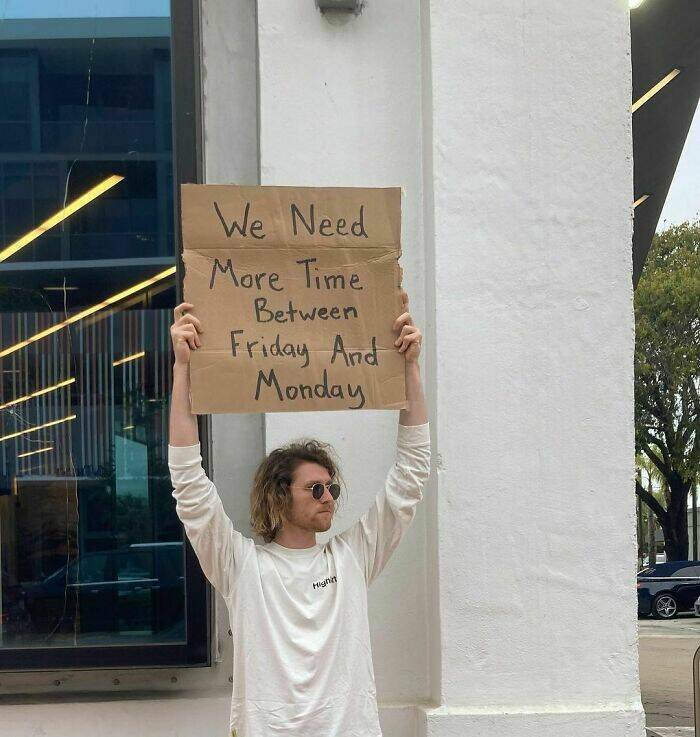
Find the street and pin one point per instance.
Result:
(666, 650)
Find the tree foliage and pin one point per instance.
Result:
(667, 375)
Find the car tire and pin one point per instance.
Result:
(664, 606)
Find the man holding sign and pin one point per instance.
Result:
(302, 662)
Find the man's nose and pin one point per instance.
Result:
(327, 496)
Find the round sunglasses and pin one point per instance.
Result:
(318, 488)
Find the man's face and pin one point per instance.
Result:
(308, 513)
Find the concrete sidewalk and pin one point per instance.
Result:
(666, 650)
(671, 732)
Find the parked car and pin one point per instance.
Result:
(666, 589)
(697, 607)
(139, 587)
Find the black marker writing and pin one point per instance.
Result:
(255, 227)
(276, 349)
(353, 358)
(292, 313)
(329, 281)
(323, 390)
(325, 226)
(258, 280)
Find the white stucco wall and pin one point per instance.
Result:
(507, 126)
(531, 177)
(340, 105)
(516, 119)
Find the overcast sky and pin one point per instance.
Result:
(683, 201)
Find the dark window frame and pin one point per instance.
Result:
(187, 168)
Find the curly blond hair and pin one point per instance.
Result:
(270, 497)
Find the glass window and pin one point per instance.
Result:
(92, 554)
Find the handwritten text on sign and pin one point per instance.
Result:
(297, 289)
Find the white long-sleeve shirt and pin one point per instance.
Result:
(302, 661)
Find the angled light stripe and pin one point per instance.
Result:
(37, 393)
(655, 89)
(132, 357)
(88, 311)
(34, 452)
(37, 427)
(61, 215)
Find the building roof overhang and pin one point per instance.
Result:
(665, 36)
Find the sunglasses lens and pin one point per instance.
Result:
(318, 489)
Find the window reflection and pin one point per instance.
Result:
(91, 551)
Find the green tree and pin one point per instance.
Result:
(667, 376)
(650, 478)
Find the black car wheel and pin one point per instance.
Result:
(664, 606)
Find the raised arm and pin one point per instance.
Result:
(409, 342)
(184, 333)
(374, 537)
(219, 548)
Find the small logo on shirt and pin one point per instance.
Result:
(325, 582)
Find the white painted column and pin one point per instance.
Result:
(529, 191)
(340, 105)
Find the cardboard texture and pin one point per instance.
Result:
(297, 289)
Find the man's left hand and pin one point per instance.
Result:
(409, 337)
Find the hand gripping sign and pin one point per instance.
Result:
(297, 289)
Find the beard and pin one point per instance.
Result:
(325, 521)
(317, 522)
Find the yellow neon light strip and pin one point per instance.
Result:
(89, 311)
(132, 357)
(61, 215)
(639, 201)
(34, 452)
(656, 88)
(37, 393)
(37, 427)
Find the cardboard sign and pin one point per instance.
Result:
(297, 289)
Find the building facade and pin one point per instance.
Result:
(508, 128)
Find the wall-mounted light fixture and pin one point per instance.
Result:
(350, 6)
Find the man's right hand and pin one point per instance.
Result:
(184, 333)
